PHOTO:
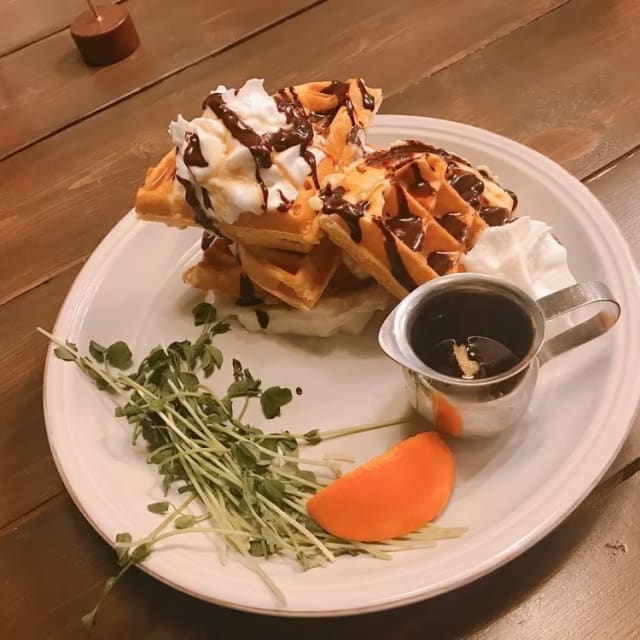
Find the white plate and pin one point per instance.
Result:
(511, 491)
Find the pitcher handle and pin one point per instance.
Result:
(572, 298)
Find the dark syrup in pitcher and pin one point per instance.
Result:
(471, 334)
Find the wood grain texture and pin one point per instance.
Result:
(580, 583)
(27, 473)
(86, 176)
(42, 98)
(618, 188)
(566, 85)
(25, 21)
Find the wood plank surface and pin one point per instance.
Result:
(86, 176)
(618, 188)
(580, 583)
(42, 98)
(27, 473)
(567, 85)
(25, 21)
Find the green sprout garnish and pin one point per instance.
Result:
(248, 484)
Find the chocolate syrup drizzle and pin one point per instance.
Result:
(191, 197)
(340, 90)
(333, 201)
(193, 153)
(247, 297)
(406, 226)
(398, 268)
(300, 131)
(368, 101)
(262, 317)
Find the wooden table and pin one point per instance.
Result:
(559, 75)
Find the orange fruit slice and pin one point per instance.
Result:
(391, 495)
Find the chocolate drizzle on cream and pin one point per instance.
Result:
(333, 201)
(262, 317)
(193, 153)
(300, 131)
(245, 135)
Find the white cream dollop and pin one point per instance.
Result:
(230, 175)
(524, 253)
(348, 312)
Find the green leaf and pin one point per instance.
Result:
(141, 552)
(216, 355)
(64, 354)
(157, 358)
(237, 369)
(273, 489)
(159, 507)
(97, 351)
(243, 388)
(189, 381)
(184, 521)
(272, 399)
(246, 454)
(309, 476)
(220, 327)
(257, 548)
(119, 355)
(203, 313)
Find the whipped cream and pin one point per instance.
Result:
(524, 253)
(213, 154)
(348, 312)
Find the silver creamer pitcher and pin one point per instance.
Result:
(480, 406)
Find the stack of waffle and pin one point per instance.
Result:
(398, 216)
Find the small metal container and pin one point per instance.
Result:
(487, 406)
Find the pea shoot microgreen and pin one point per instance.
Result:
(249, 485)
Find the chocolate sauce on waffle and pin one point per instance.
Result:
(451, 222)
(419, 188)
(207, 240)
(193, 153)
(340, 90)
(190, 196)
(406, 226)
(368, 101)
(514, 197)
(247, 297)
(400, 153)
(263, 318)
(398, 268)
(468, 185)
(333, 201)
(495, 332)
(440, 262)
(495, 216)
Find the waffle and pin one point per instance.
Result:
(257, 274)
(335, 114)
(406, 214)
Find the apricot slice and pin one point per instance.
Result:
(391, 495)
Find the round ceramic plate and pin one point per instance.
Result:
(510, 491)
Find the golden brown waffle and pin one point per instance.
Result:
(403, 216)
(296, 279)
(257, 273)
(338, 113)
